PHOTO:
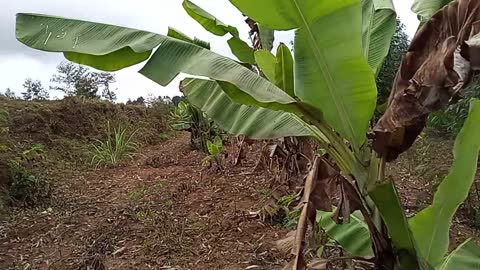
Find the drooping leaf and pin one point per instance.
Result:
(433, 74)
(378, 27)
(267, 36)
(238, 47)
(251, 121)
(172, 32)
(426, 8)
(284, 70)
(266, 61)
(208, 21)
(431, 226)
(173, 57)
(102, 46)
(354, 237)
(289, 14)
(465, 257)
(241, 50)
(331, 73)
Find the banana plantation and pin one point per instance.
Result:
(312, 108)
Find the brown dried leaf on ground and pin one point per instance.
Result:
(437, 67)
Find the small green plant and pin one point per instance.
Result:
(215, 149)
(25, 188)
(188, 118)
(163, 136)
(117, 147)
(36, 151)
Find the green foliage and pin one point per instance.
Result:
(215, 149)
(466, 257)
(338, 50)
(118, 146)
(24, 187)
(378, 26)
(354, 237)
(431, 226)
(388, 71)
(77, 80)
(187, 117)
(449, 121)
(34, 90)
(36, 151)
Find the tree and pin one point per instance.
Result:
(78, 80)
(386, 77)
(9, 93)
(327, 93)
(34, 90)
(139, 101)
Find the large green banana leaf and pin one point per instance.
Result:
(91, 43)
(426, 8)
(174, 33)
(431, 226)
(331, 73)
(378, 27)
(102, 46)
(252, 121)
(289, 14)
(239, 47)
(464, 257)
(354, 237)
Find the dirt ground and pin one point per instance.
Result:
(163, 210)
(158, 212)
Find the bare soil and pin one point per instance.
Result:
(161, 211)
(164, 210)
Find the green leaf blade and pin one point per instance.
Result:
(208, 21)
(241, 50)
(236, 119)
(431, 226)
(266, 61)
(289, 14)
(284, 78)
(354, 237)
(103, 46)
(465, 257)
(332, 74)
(378, 27)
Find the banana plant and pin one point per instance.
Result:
(325, 91)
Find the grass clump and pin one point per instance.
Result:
(118, 146)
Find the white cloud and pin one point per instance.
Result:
(18, 61)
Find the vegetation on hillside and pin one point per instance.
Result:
(313, 110)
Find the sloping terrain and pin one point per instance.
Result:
(158, 212)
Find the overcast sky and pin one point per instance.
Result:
(18, 61)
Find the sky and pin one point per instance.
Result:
(18, 62)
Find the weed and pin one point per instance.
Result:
(24, 186)
(163, 136)
(138, 193)
(36, 151)
(118, 146)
